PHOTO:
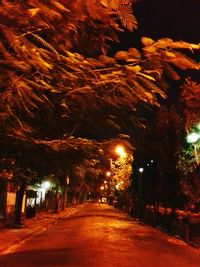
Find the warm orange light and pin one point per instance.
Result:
(120, 151)
(117, 186)
(108, 174)
(102, 187)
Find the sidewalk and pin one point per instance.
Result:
(10, 238)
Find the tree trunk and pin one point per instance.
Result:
(56, 202)
(18, 204)
(64, 203)
(3, 196)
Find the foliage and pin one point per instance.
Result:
(40, 75)
(190, 173)
(190, 187)
(188, 165)
(55, 84)
(85, 175)
(156, 152)
(190, 97)
(188, 161)
(121, 170)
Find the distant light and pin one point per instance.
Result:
(192, 137)
(102, 187)
(120, 151)
(46, 185)
(141, 170)
(108, 174)
(105, 182)
(151, 161)
(148, 164)
(117, 186)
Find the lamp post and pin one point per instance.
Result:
(140, 194)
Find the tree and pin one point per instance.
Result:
(21, 178)
(42, 76)
(53, 88)
(188, 163)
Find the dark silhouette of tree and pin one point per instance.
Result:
(56, 85)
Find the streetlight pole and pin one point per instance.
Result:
(196, 154)
(141, 199)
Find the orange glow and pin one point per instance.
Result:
(108, 174)
(120, 151)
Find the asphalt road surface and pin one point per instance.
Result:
(101, 236)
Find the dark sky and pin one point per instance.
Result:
(176, 19)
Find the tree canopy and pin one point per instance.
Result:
(58, 82)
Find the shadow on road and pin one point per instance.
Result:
(45, 257)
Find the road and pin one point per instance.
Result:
(101, 236)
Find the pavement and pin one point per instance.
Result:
(12, 237)
(96, 236)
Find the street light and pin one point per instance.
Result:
(141, 170)
(46, 185)
(120, 151)
(117, 186)
(108, 174)
(193, 137)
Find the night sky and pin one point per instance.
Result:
(176, 19)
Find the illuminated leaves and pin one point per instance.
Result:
(188, 162)
(41, 75)
(124, 11)
(126, 16)
(181, 61)
(165, 55)
(121, 171)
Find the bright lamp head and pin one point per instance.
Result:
(193, 137)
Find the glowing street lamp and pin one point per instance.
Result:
(117, 186)
(108, 174)
(193, 137)
(46, 185)
(141, 170)
(120, 151)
